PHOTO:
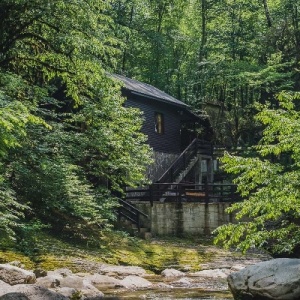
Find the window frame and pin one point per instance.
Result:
(159, 122)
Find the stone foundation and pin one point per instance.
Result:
(184, 218)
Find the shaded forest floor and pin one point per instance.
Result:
(43, 250)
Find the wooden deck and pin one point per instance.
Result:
(183, 192)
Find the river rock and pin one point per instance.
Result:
(4, 285)
(49, 281)
(66, 291)
(183, 282)
(89, 292)
(172, 273)
(81, 284)
(40, 272)
(15, 275)
(73, 281)
(63, 272)
(31, 292)
(135, 282)
(103, 281)
(122, 271)
(274, 279)
(216, 273)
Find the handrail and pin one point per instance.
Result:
(184, 158)
(168, 176)
(178, 192)
(132, 207)
(130, 212)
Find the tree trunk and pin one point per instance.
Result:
(202, 51)
(267, 13)
(124, 58)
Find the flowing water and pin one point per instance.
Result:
(182, 294)
(166, 289)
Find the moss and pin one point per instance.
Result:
(114, 248)
(10, 256)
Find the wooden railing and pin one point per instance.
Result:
(181, 163)
(131, 213)
(182, 192)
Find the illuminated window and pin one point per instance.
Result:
(159, 123)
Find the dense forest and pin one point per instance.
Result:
(66, 140)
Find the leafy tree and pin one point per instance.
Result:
(269, 183)
(14, 117)
(66, 140)
(227, 53)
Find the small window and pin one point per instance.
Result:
(159, 123)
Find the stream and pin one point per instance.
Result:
(187, 288)
(182, 294)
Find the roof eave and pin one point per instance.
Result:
(159, 99)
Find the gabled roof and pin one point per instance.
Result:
(149, 91)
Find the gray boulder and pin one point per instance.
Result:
(274, 279)
(216, 273)
(15, 275)
(81, 285)
(40, 272)
(172, 273)
(49, 281)
(122, 271)
(4, 286)
(103, 281)
(67, 292)
(31, 292)
(64, 272)
(135, 282)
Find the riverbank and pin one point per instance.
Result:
(191, 254)
(203, 267)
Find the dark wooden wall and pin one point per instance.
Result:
(170, 140)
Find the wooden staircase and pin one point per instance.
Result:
(181, 167)
(187, 159)
(131, 219)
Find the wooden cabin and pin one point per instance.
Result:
(170, 124)
(182, 197)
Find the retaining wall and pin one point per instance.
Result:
(184, 218)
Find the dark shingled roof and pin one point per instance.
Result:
(148, 91)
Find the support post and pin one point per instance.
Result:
(210, 170)
(198, 171)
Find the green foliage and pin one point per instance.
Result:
(224, 53)
(269, 182)
(66, 140)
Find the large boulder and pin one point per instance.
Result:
(83, 285)
(15, 275)
(172, 273)
(122, 271)
(135, 282)
(103, 281)
(274, 279)
(64, 272)
(31, 292)
(71, 284)
(216, 273)
(4, 286)
(49, 281)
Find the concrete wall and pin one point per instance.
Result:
(184, 218)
